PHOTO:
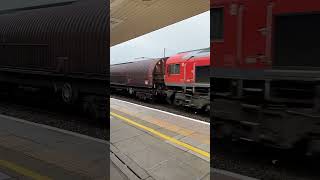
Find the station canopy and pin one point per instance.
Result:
(133, 18)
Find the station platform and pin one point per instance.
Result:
(33, 151)
(145, 144)
(153, 144)
(159, 145)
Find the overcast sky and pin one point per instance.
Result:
(190, 34)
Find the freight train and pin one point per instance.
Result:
(62, 47)
(266, 72)
(182, 79)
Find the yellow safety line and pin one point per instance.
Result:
(23, 171)
(171, 139)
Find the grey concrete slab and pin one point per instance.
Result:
(127, 165)
(4, 176)
(131, 145)
(48, 137)
(196, 163)
(177, 146)
(65, 151)
(36, 166)
(172, 169)
(200, 156)
(149, 158)
(191, 141)
(116, 173)
(116, 125)
(206, 177)
(188, 130)
(205, 147)
(167, 132)
(158, 158)
(124, 133)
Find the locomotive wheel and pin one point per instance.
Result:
(69, 95)
(177, 102)
(207, 108)
(131, 91)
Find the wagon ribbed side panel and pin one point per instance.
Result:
(134, 74)
(70, 39)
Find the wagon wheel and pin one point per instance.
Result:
(69, 94)
(177, 102)
(207, 108)
(131, 92)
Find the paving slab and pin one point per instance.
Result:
(28, 148)
(159, 159)
(17, 165)
(156, 157)
(116, 173)
(4, 176)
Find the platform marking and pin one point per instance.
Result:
(23, 171)
(168, 138)
(191, 119)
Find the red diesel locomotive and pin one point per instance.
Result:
(266, 71)
(182, 79)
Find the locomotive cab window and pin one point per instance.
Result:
(174, 69)
(216, 24)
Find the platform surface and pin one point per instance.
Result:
(159, 145)
(145, 144)
(33, 151)
(139, 138)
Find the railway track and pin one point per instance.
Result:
(42, 107)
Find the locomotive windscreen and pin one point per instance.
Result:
(202, 74)
(297, 41)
